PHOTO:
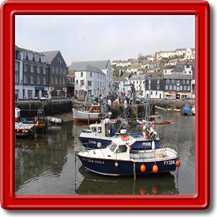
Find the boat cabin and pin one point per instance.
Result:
(105, 128)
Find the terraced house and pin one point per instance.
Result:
(31, 74)
(57, 85)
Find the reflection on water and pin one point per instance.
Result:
(45, 164)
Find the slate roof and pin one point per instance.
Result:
(89, 68)
(177, 76)
(126, 75)
(137, 77)
(101, 64)
(50, 55)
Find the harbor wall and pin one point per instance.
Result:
(30, 108)
(55, 107)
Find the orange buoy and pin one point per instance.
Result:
(55, 124)
(154, 190)
(143, 123)
(143, 168)
(178, 163)
(125, 138)
(116, 164)
(130, 148)
(142, 191)
(155, 168)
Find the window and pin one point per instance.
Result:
(167, 81)
(59, 61)
(44, 71)
(51, 81)
(31, 68)
(177, 88)
(187, 82)
(174, 87)
(189, 88)
(165, 71)
(89, 83)
(171, 87)
(42, 59)
(44, 80)
(121, 149)
(99, 129)
(183, 81)
(25, 79)
(60, 71)
(64, 71)
(16, 65)
(166, 87)
(189, 72)
(56, 70)
(25, 68)
(38, 80)
(24, 55)
(36, 57)
(158, 86)
(16, 78)
(38, 71)
(60, 81)
(91, 74)
(81, 74)
(156, 93)
(82, 82)
(52, 69)
(180, 87)
(158, 81)
(31, 80)
(178, 82)
(149, 81)
(76, 81)
(56, 81)
(173, 81)
(184, 87)
(64, 81)
(94, 129)
(30, 56)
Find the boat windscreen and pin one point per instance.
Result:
(113, 147)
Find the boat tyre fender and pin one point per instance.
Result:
(127, 113)
(121, 109)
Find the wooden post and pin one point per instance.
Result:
(88, 118)
(134, 169)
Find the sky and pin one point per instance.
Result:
(103, 37)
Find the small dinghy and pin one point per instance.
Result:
(55, 121)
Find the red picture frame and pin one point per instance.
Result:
(201, 10)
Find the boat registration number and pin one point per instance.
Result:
(169, 162)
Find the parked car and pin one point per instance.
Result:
(46, 97)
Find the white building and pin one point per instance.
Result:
(101, 81)
(139, 82)
(190, 53)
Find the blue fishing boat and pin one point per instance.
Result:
(119, 159)
(100, 135)
(186, 110)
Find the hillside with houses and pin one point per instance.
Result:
(167, 75)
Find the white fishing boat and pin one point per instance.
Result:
(118, 159)
(85, 115)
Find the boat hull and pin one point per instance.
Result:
(109, 168)
(85, 116)
(139, 144)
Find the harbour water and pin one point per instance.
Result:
(46, 164)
